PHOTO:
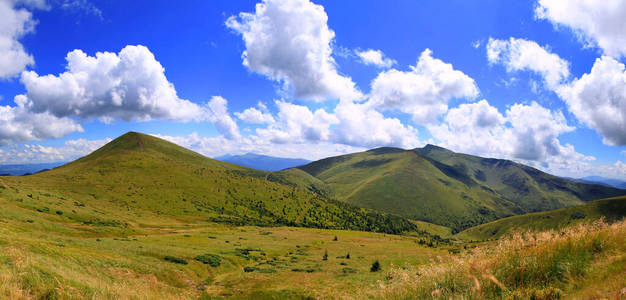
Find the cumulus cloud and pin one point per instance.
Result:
(524, 132)
(34, 153)
(297, 123)
(375, 58)
(219, 116)
(289, 41)
(596, 23)
(130, 85)
(20, 125)
(217, 146)
(423, 91)
(598, 99)
(15, 22)
(524, 55)
(363, 126)
(256, 116)
(351, 124)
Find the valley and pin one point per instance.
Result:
(143, 218)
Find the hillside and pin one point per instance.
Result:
(611, 209)
(447, 188)
(263, 162)
(147, 178)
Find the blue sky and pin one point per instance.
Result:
(323, 94)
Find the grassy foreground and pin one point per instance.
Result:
(583, 261)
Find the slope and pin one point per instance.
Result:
(139, 178)
(446, 188)
(611, 209)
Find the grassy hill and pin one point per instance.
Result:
(142, 218)
(611, 209)
(446, 188)
(147, 178)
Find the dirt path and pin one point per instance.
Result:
(139, 142)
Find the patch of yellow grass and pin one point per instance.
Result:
(539, 265)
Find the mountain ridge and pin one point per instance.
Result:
(439, 186)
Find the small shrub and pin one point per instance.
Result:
(578, 215)
(325, 257)
(209, 259)
(348, 256)
(58, 212)
(375, 266)
(335, 239)
(348, 270)
(175, 260)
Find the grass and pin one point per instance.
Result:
(611, 209)
(145, 219)
(439, 186)
(587, 260)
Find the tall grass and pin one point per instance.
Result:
(529, 265)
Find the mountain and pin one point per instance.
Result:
(26, 169)
(611, 209)
(616, 183)
(439, 186)
(263, 162)
(152, 179)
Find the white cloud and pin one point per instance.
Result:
(524, 55)
(256, 116)
(362, 126)
(297, 123)
(289, 41)
(525, 132)
(82, 6)
(19, 125)
(34, 153)
(596, 23)
(219, 116)
(375, 58)
(217, 146)
(130, 85)
(15, 22)
(598, 99)
(424, 91)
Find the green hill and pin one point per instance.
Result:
(447, 188)
(611, 209)
(149, 178)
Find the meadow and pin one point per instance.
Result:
(142, 218)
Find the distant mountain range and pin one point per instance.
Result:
(263, 162)
(620, 184)
(26, 169)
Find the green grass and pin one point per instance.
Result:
(148, 178)
(611, 209)
(142, 218)
(439, 186)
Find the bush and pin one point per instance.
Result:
(325, 257)
(375, 266)
(175, 260)
(209, 259)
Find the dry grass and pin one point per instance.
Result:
(547, 265)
